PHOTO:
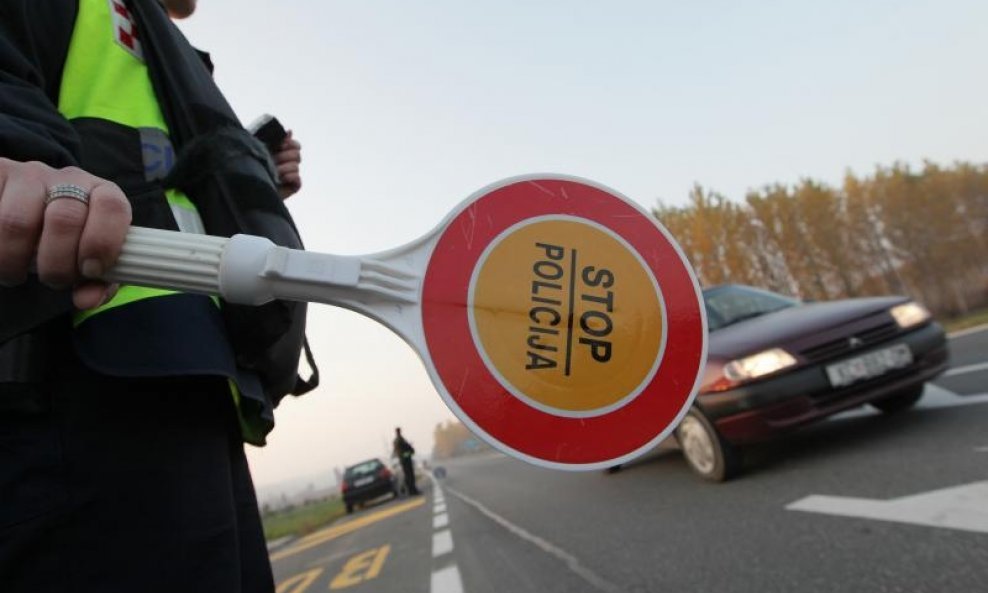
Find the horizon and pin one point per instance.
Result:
(405, 110)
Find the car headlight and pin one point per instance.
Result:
(758, 365)
(909, 314)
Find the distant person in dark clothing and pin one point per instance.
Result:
(404, 451)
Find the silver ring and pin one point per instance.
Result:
(67, 190)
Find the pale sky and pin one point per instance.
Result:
(406, 108)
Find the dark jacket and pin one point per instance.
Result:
(34, 40)
(402, 448)
(237, 195)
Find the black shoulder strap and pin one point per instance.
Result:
(303, 386)
(238, 197)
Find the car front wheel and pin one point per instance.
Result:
(902, 400)
(708, 454)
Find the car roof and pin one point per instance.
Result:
(365, 462)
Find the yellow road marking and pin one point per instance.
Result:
(362, 567)
(335, 531)
(299, 582)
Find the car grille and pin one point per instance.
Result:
(842, 346)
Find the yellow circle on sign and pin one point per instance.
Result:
(567, 316)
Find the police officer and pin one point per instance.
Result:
(404, 451)
(122, 412)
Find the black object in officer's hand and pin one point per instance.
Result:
(269, 130)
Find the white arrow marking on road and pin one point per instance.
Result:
(971, 368)
(934, 397)
(937, 397)
(960, 507)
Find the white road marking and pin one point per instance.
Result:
(442, 543)
(934, 397)
(938, 397)
(568, 559)
(447, 580)
(960, 507)
(971, 368)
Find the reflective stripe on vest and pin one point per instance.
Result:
(104, 64)
(105, 78)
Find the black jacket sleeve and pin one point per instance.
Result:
(34, 40)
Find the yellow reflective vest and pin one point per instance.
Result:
(107, 94)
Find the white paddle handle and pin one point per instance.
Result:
(169, 259)
(250, 270)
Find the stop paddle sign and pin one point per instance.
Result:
(562, 323)
(557, 319)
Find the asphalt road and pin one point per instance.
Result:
(862, 502)
(969, 363)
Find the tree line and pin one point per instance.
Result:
(896, 231)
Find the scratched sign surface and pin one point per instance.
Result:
(563, 323)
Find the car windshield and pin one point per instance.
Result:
(363, 469)
(727, 305)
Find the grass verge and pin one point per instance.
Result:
(302, 520)
(972, 319)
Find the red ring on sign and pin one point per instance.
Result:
(485, 402)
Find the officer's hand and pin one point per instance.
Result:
(287, 161)
(73, 241)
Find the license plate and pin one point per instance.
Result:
(363, 481)
(869, 365)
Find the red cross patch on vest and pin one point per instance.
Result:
(124, 30)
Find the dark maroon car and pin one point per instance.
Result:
(776, 363)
